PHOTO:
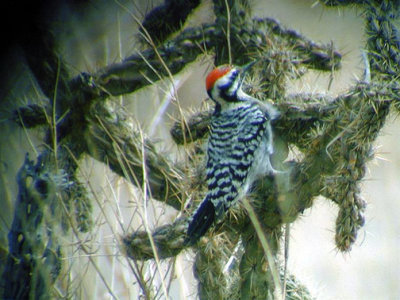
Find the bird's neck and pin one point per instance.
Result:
(240, 99)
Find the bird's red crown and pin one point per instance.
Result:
(216, 74)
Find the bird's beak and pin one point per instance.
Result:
(245, 69)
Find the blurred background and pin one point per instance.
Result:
(99, 33)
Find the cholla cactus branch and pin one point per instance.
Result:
(142, 69)
(193, 129)
(255, 271)
(34, 259)
(383, 44)
(300, 113)
(112, 139)
(169, 240)
(167, 18)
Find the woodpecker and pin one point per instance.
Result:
(239, 146)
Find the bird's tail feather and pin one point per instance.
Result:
(201, 221)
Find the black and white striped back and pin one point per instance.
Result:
(239, 150)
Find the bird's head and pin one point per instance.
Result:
(224, 83)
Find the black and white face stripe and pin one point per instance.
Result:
(226, 88)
